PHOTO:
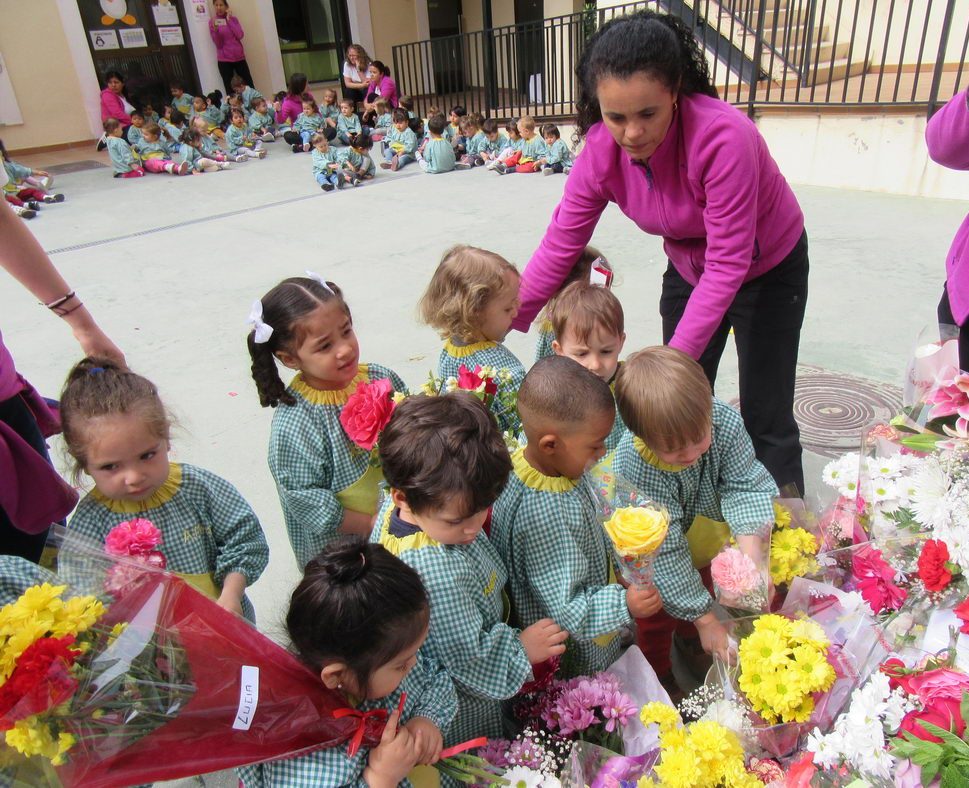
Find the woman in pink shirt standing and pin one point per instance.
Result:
(227, 35)
(685, 165)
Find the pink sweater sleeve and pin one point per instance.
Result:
(235, 26)
(113, 107)
(726, 166)
(947, 134)
(572, 225)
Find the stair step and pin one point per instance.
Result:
(826, 51)
(796, 34)
(833, 71)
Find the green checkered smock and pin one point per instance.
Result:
(18, 574)
(207, 527)
(727, 484)
(548, 533)
(314, 462)
(485, 354)
(468, 633)
(430, 694)
(543, 347)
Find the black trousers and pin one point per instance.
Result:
(16, 415)
(292, 138)
(228, 68)
(766, 316)
(946, 318)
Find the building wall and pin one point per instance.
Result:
(46, 85)
(393, 23)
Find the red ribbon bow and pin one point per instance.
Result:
(362, 716)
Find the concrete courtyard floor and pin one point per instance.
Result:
(170, 267)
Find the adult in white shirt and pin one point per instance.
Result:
(355, 79)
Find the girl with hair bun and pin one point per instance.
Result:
(359, 618)
(686, 166)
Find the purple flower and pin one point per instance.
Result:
(617, 708)
(495, 752)
(574, 713)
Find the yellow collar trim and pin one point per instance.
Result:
(647, 454)
(537, 480)
(463, 351)
(396, 545)
(546, 326)
(162, 495)
(318, 397)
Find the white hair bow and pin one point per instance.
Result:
(263, 330)
(317, 278)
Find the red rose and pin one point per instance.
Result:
(962, 611)
(898, 674)
(932, 569)
(473, 381)
(367, 412)
(40, 681)
(945, 714)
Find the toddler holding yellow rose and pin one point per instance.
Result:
(545, 523)
(688, 451)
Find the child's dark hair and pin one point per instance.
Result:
(436, 124)
(137, 112)
(284, 308)
(357, 604)
(459, 111)
(279, 96)
(237, 112)
(177, 84)
(297, 84)
(512, 127)
(400, 115)
(659, 45)
(191, 137)
(435, 449)
(98, 387)
(216, 98)
(110, 124)
(490, 126)
(177, 118)
(406, 102)
(550, 129)
(560, 390)
(236, 82)
(361, 141)
(311, 102)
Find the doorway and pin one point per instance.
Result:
(529, 16)
(313, 36)
(147, 41)
(447, 47)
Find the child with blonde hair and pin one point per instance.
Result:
(154, 154)
(348, 123)
(307, 123)
(117, 430)
(384, 120)
(472, 300)
(327, 484)
(532, 150)
(494, 142)
(190, 151)
(210, 148)
(330, 110)
(545, 524)
(689, 451)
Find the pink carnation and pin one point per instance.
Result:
(367, 412)
(136, 537)
(876, 580)
(735, 573)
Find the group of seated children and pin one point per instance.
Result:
(471, 140)
(194, 135)
(466, 523)
(26, 189)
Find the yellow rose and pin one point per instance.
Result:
(635, 530)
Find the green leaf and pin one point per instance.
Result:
(948, 737)
(954, 776)
(924, 441)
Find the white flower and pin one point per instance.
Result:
(930, 504)
(885, 493)
(842, 473)
(885, 467)
(551, 781)
(826, 749)
(521, 777)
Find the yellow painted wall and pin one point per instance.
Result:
(393, 23)
(254, 40)
(39, 63)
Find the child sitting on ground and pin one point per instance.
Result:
(148, 112)
(454, 129)
(688, 451)
(348, 123)
(247, 93)
(531, 151)
(135, 137)
(155, 155)
(118, 432)
(330, 110)
(356, 158)
(307, 123)
(123, 160)
(190, 151)
(181, 100)
(358, 619)
(384, 120)
(240, 140)
(582, 271)
(559, 157)
(327, 169)
(27, 184)
(445, 463)
(210, 148)
(474, 140)
(173, 125)
(326, 483)
(400, 144)
(261, 121)
(472, 300)
(512, 148)
(546, 523)
(437, 155)
(590, 326)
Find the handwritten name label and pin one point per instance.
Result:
(248, 698)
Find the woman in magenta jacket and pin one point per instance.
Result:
(684, 165)
(947, 138)
(113, 102)
(227, 36)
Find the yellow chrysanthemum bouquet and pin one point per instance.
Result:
(794, 544)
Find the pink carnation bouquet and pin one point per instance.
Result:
(740, 584)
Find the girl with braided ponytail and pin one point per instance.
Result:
(686, 166)
(327, 484)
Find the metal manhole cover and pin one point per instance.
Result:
(75, 166)
(833, 409)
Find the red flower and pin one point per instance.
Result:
(473, 381)
(962, 611)
(875, 580)
(40, 680)
(932, 565)
(367, 412)
(944, 713)
(898, 674)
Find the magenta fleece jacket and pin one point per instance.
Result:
(711, 189)
(947, 137)
(228, 40)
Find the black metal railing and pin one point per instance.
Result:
(762, 53)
